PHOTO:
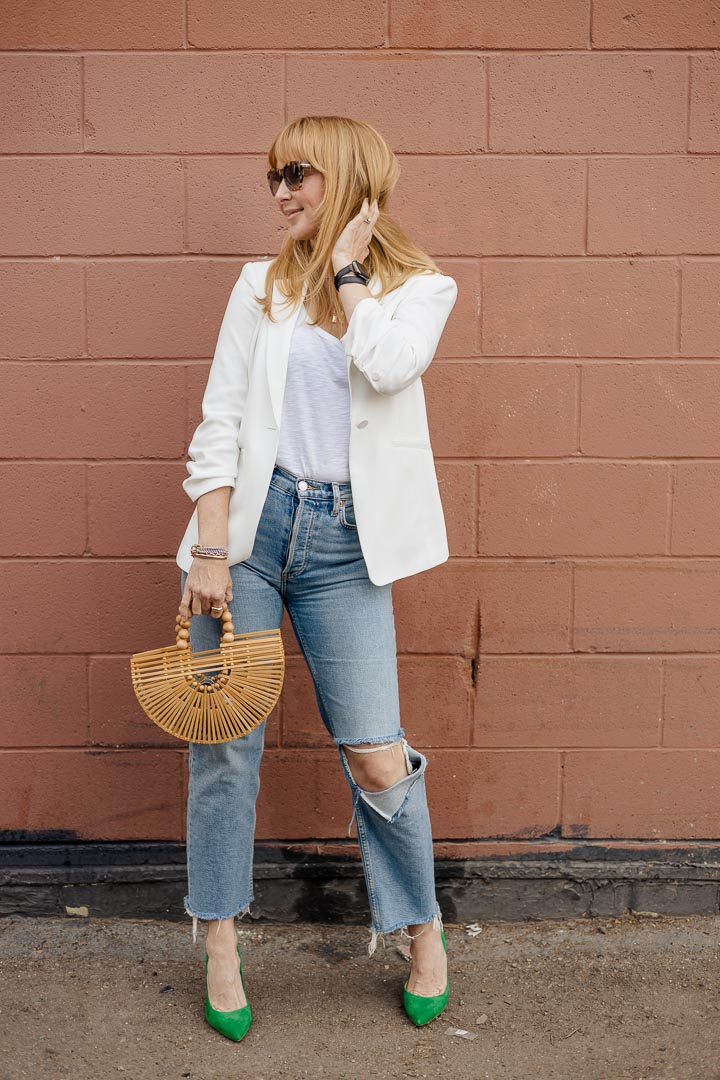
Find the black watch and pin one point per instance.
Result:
(352, 272)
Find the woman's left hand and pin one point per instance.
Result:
(354, 240)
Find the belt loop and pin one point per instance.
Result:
(336, 497)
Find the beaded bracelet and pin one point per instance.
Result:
(206, 552)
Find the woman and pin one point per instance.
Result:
(297, 403)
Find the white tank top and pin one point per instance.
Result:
(315, 421)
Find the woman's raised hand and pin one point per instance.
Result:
(354, 241)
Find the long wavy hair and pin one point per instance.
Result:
(356, 162)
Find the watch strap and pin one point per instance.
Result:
(351, 272)
(349, 278)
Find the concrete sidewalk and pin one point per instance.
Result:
(602, 999)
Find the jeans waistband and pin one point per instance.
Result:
(308, 487)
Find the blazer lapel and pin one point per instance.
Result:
(278, 346)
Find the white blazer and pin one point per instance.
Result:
(389, 343)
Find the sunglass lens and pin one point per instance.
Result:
(293, 175)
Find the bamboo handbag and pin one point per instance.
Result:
(214, 695)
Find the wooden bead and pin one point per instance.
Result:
(182, 644)
(183, 634)
(228, 637)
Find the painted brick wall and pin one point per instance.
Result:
(560, 160)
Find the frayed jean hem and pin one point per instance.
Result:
(435, 919)
(380, 739)
(243, 910)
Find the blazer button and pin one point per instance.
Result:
(363, 423)
(374, 376)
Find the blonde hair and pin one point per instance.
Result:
(356, 162)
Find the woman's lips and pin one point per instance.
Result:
(293, 213)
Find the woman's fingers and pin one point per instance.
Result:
(366, 208)
(201, 599)
(358, 231)
(217, 602)
(184, 608)
(366, 227)
(207, 601)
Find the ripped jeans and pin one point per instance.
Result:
(307, 558)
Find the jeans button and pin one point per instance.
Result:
(302, 484)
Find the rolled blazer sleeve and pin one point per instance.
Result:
(393, 351)
(214, 451)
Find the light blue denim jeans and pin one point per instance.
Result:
(307, 557)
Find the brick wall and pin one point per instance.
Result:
(560, 160)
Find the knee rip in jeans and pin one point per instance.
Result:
(239, 915)
(389, 803)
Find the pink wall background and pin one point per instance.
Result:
(560, 160)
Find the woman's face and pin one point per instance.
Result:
(302, 225)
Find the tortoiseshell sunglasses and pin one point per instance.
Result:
(293, 174)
